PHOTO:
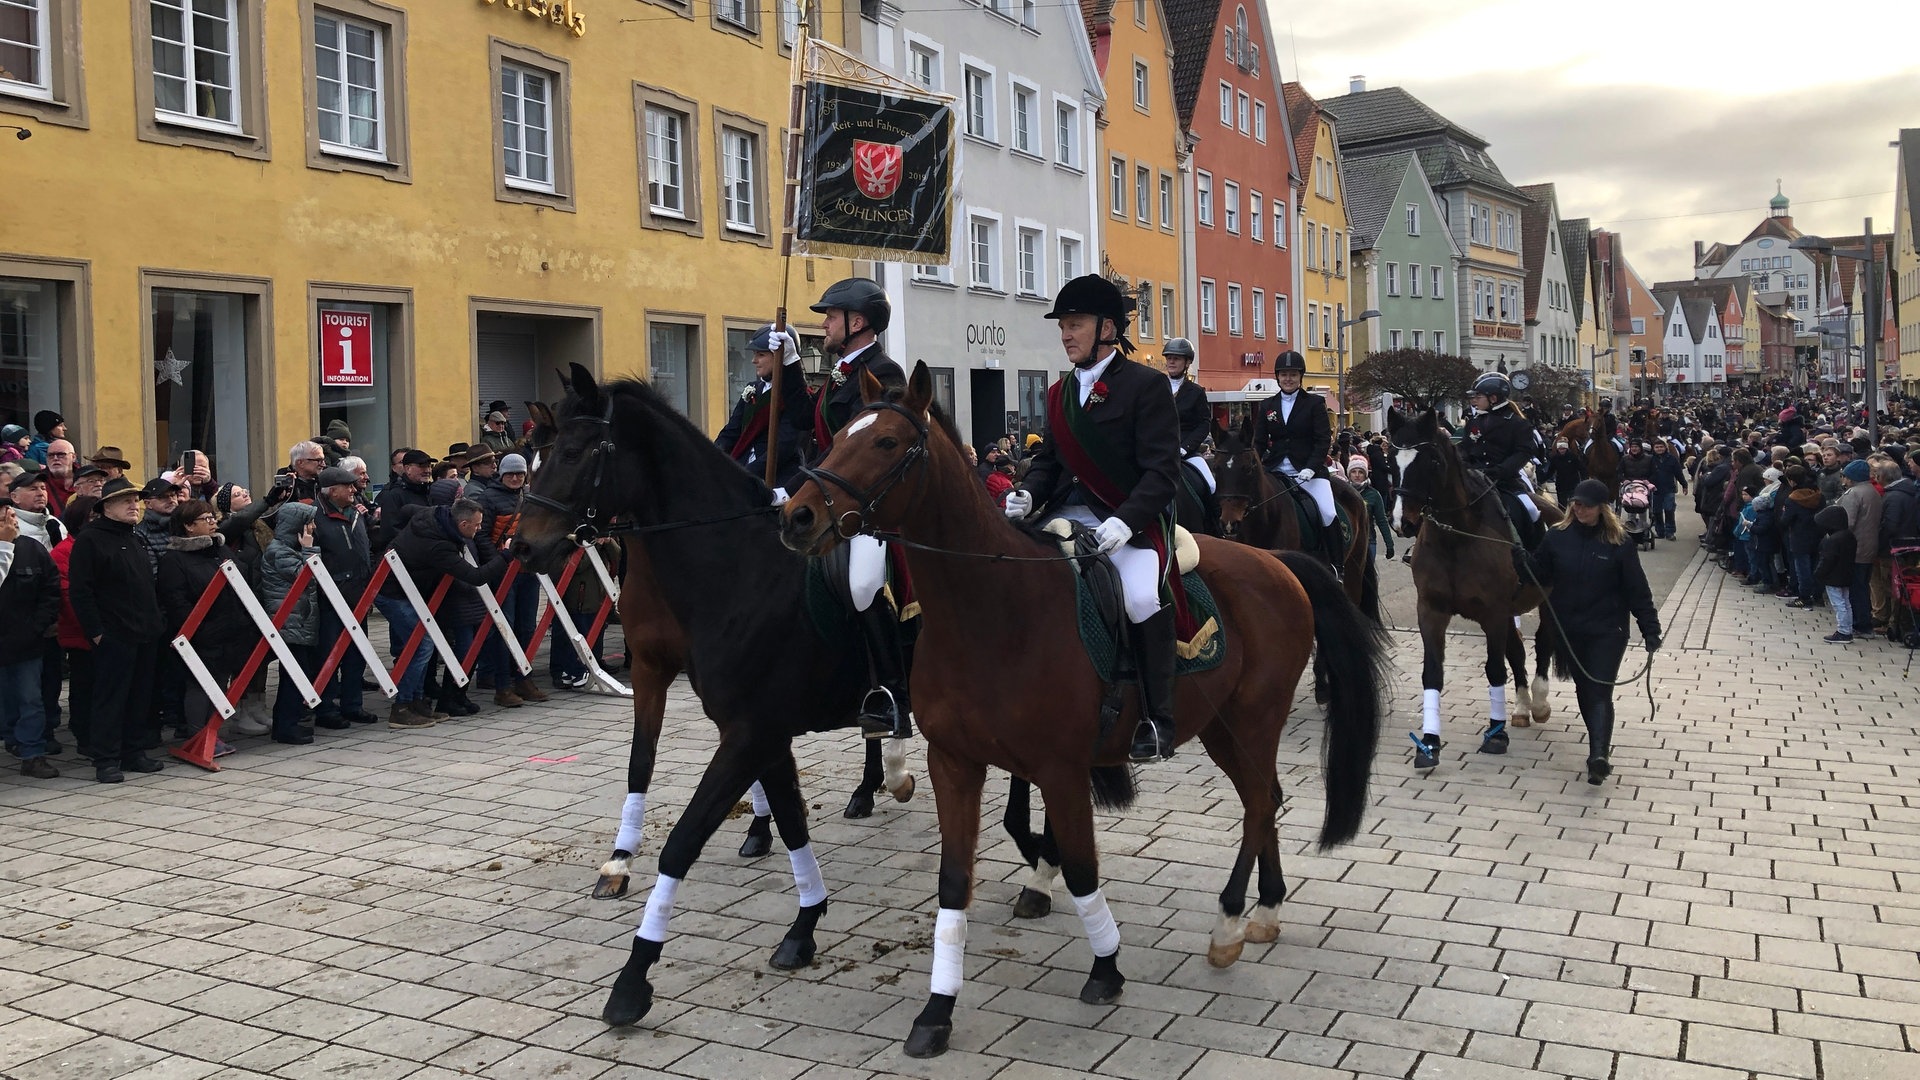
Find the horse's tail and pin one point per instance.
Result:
(1112, 787)
(1370, 592)
(1354, 652)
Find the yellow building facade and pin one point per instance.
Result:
(1321, 248)
(259, 217)
(1142, 155)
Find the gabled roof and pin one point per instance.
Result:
(1535, 215)
(1372, 186)
(1610, 252)
(1452, 164)
(1376, 121)
(1190, 24)
(1716, 255)
(1577, 251)
(1910, 169)
(1699, 310)
(1848, 269)
(1094, 13)
(1303, 115)
(1780, 228)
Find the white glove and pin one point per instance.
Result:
(1303, 475)
(1112, 533)
(780, 496)
(777, 341)
(1019, 503)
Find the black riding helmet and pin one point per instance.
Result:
(1289, 361)
(862, 295)
(1179, 347)
(1091, 294)
(1494, 385)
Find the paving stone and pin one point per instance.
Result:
(1604, 1030)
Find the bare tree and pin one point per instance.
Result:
(1420, 377)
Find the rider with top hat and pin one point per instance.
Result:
(856, 312)
(745, 436)
(1506, 443)
(1196, 422)
(1292, 432)
(1111, 461)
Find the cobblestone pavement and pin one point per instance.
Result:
(1740, 902)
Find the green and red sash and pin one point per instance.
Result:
(825, 424)
(755, 428)
(1111, 477)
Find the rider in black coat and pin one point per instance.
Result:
(1505, 444)
(745, 436)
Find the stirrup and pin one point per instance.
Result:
(881, 716)
(1162, 743)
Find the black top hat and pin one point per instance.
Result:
(1091, 294)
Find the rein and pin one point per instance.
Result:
(869, 498)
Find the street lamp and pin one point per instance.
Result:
(1593, 373)
(1869, 290)
(1340, 349)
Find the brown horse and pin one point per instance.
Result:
(1001, 680)
(1255, 510)
(1602, 457)
(1462, 566)
(657, 655)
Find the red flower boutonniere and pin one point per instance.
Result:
(1098, 394)
(840, 374)
(1273, 416)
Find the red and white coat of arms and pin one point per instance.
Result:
(876, 168)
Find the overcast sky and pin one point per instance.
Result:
(1664, 120)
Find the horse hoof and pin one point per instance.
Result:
(757, 843)
(793, 953)
(904, 793)
(1542, 714)
(860, 806)
(928, 1040)
(610, 887)
(1102, 991)
(625, 1007)
(1221, 955)
(1520, 720)
(1032, 904)
(1262, 933)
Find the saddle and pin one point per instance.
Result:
(1100, 579)
(1307, 512)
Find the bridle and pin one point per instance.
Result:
(1422, 502)
(585, 526)
(869, 497)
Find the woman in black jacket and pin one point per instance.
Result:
(1597, 582)
(190, 564)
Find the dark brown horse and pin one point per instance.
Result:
(1602, 457)
(657, 654)
(1001, 680)
(1463, 566)
(1255, 510)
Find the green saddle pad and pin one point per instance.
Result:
(1308, 516)
(1203, 653)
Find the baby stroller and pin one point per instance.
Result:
(1906, 597)
(1636, 512)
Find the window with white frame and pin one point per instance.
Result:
(1026, 137)
(526, 127)
(1413, 279)
(1070, 259)
(1230, 202)
(1509, 231)
(923, 65)
(1413, 219)
(1066, 134)
(196, 62)
(979, 86)
(1313, 323)
(1479, 297)
(1145, 308)
(349, 62)
(1439, 283)
(1030, 14)
(1233, 309)
(739, 167)
(983, 252)
(737, 12)
(1260, 120)
(1419, 339)
(1244, 110)
(1257, 307)
(26, 66)
(1117, 187)
(1167, 325)
(1282, 317)
(1032, 275)
(1207, 324)
(1140, 84)
(1140, 12)
(1326, 247)
(1340, 254)
(789, 22)
(1226, 104)
(1143, 194)
(1254, 217)
(1327, 316)
(1479, 224)
(1439, 341)
(1279, 224)
(1203, 197)
(1166, 201)
(1393, 279)
(666, 161)
(1393, 339)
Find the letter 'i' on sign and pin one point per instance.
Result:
(346, 348)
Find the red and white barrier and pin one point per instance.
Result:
(351, 620)
(496, 619)
(429, 626)
(199, 749)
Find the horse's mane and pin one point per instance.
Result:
(1029, 529)
(677, 450)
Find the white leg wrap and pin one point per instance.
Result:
(1430, 712)
(806, 875)
(1229, 931)
(893, 765)
(757, 795)
(631, 813)
(949, 951)
(1102, 934)
(866, 569)
(1041, 878)
(653, 925)
(1497, 704)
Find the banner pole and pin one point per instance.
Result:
(796, 96)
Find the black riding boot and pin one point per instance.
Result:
(1153, 646)
(885, 712)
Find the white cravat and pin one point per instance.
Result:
(1174, 385)
(1088, 376)
(1286, 405)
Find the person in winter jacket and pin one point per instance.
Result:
(30, 596)
(1764, 538)
(14, 441)
(431, 549)
(1835, 570)
(335, 443)
(280, 568)
(1357, 475)
(113, 596)
(1861, 500)
(1597, 583)
(501, 501)
(340, 532)
(1709, 489)
(1566, 468)
(75, 650)
(1669, 478)
(225, 636)
(1802, 536)
(155, 529)
(406, 493)
(1637, 462)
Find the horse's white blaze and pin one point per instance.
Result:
(1405, 459)
(862, 424)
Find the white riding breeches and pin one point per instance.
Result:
(866, 569)
(1526, 500)
(1206, 471)
(1322, 491)
(1139, 569)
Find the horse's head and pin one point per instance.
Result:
(1236, 479)
(1416, 443)
(875, 467)
(565, 501)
